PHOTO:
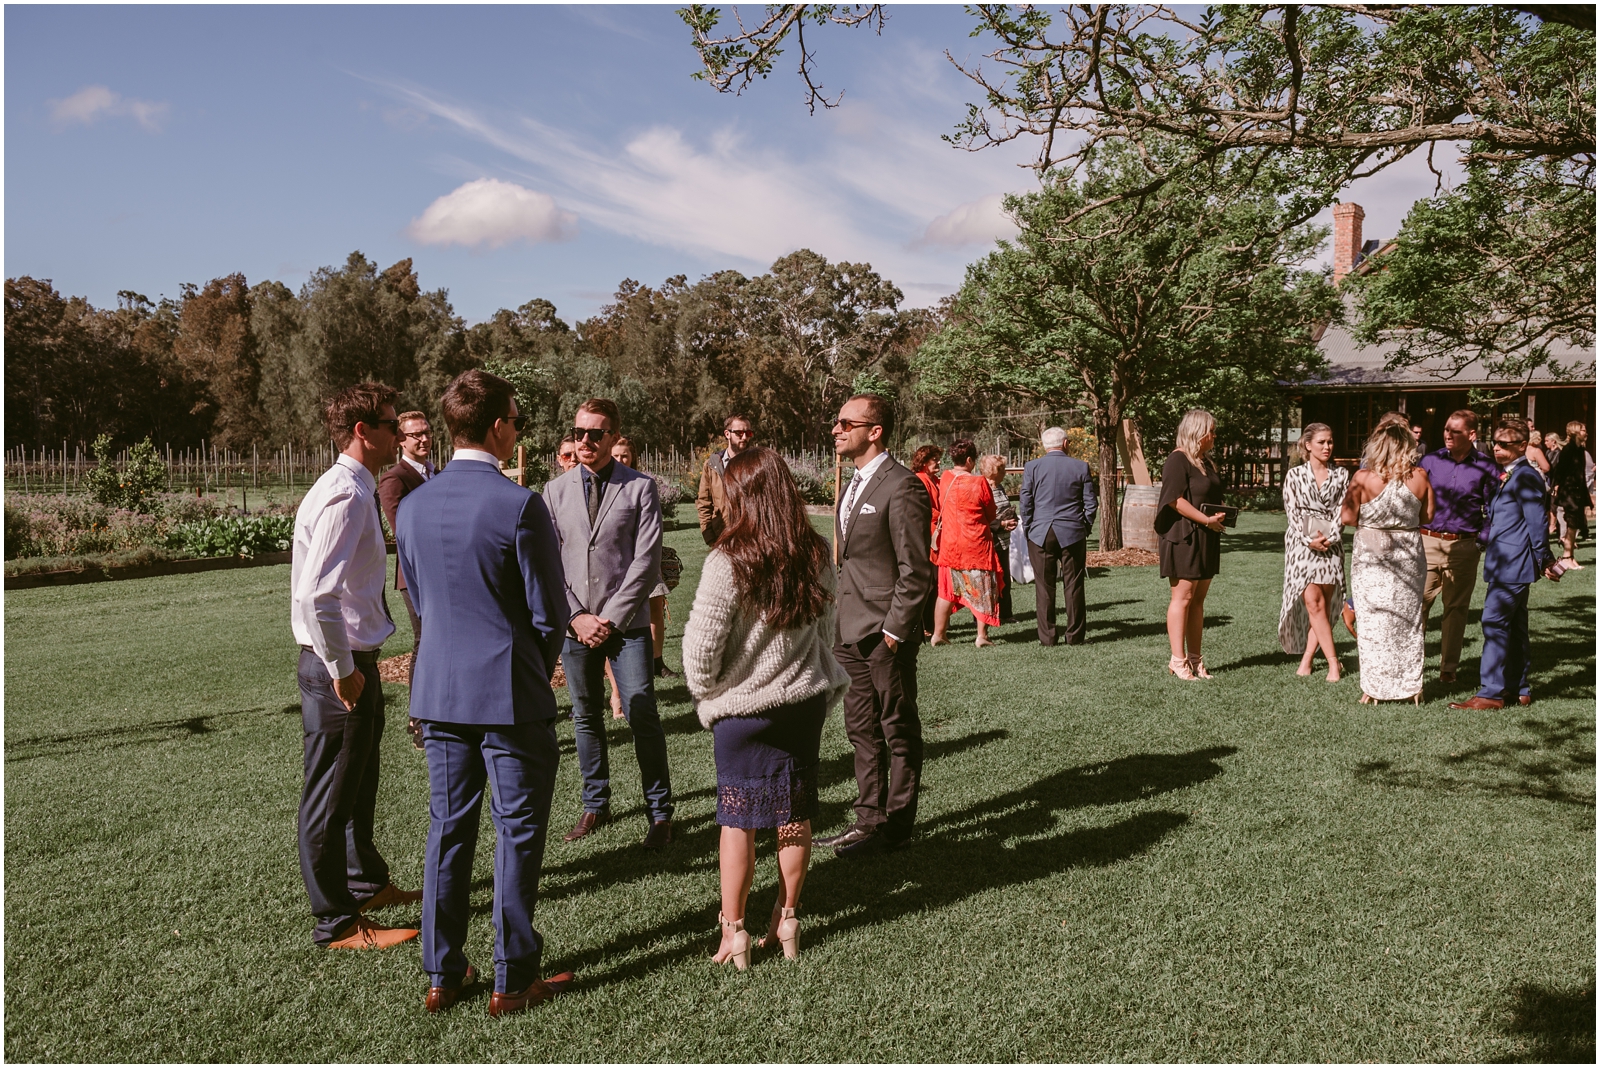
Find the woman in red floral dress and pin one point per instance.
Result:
(969, 568)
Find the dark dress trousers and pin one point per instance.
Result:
(885, 577)
(1188, 550)
(1056, 508)
(399, 480)
(480, 556)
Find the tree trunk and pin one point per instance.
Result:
(1105, 432)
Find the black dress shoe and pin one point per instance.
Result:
(659, 836)
(866, 845)
(853, 833)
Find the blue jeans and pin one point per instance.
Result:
(1503, 671)
(633, 664)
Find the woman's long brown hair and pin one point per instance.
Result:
(777, 555)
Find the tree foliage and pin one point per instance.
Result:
(1182, 297)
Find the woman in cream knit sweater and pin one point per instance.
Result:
(758, 658)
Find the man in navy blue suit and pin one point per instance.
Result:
(480, 557)
(1518, 553)
(1057, 512)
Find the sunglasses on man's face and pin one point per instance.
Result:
(847, 425)
(518, 421)
(392, 424)
(588, 433)
(1501, 443)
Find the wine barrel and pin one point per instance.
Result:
(1139, 506)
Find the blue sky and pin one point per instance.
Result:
(512, 152)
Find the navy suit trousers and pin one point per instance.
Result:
(1503, 671)
(518, 764)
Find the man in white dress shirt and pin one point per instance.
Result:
(340, 620)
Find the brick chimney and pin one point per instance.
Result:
(1346, 239)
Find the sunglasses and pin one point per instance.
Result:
(588, 433)
(1506, 444)
(392, 424)
(851, 424)
(418, 434)
(518, 421)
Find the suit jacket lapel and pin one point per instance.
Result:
(872, 489)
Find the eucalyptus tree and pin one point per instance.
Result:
(1179, 295)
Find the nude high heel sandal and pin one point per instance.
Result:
(1179, 666)
(1197, 665)
(740, 952)
(787, 932)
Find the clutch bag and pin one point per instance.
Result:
(1230, 514)
(1312, 526)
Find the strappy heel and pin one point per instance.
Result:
(1179, 666)
(1197, 665)
(739, 953)
(787, 932)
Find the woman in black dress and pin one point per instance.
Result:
(1191, 541)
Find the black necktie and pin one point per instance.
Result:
(593, 486)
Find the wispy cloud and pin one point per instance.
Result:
(883, 190)
(493, 213)
(978, 222)
(94, 102)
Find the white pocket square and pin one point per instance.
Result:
(866, 509)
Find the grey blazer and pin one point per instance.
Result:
(612, 568)
(1057, 494)
(884, 571)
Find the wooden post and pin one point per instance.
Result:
(522, 468)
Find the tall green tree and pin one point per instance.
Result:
(1184, 296)
(215, 346)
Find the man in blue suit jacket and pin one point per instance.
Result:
(1518, 553)
(480, 557)
(1057, 512)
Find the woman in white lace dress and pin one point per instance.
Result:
(1313, 551)
(1388, 500)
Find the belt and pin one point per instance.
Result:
(1445, 536)
(360, 656)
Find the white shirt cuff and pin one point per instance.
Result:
(896, 637)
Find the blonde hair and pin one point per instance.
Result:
(1576, 427)
(1390, 452)
(1196, 424)
(992, 467)
(1309, 432)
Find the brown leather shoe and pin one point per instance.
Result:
(391, 895)
(1447, 677)
(441, 998)
(660, 834)
(1525, 699)
(414, 728)
(364, 934)
(1478, 704)
(537, 992)
(588, 822)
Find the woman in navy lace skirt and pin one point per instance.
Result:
(758, 658)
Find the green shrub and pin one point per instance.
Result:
(137, 488)
(233, 536)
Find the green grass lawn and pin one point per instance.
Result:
(1112, 865)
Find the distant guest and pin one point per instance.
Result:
(1571, 486)
(567, 454)
(412, 469)
(925, 465)
(1191, 541)
(1057, 505)
(623, 453)
(1464, 481)
(993, 468)
(710, 502)
(1518, 554)
(969, 569)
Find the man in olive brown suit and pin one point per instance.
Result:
(882, 533)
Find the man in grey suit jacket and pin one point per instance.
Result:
(882, 534)
(1057, 512)
(608, 518)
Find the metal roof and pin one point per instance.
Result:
(1353, 366)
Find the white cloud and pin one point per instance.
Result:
(493, 213)
(93, 102)
(977, 222)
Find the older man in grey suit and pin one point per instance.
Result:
(608, 518)
(1057, 512)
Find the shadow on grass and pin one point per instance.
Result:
(44, 745)
(1009, 840)
(1557, 1024)
(1535, 765)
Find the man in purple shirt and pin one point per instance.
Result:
(1464, 480)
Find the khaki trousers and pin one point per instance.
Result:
(1452, 572)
